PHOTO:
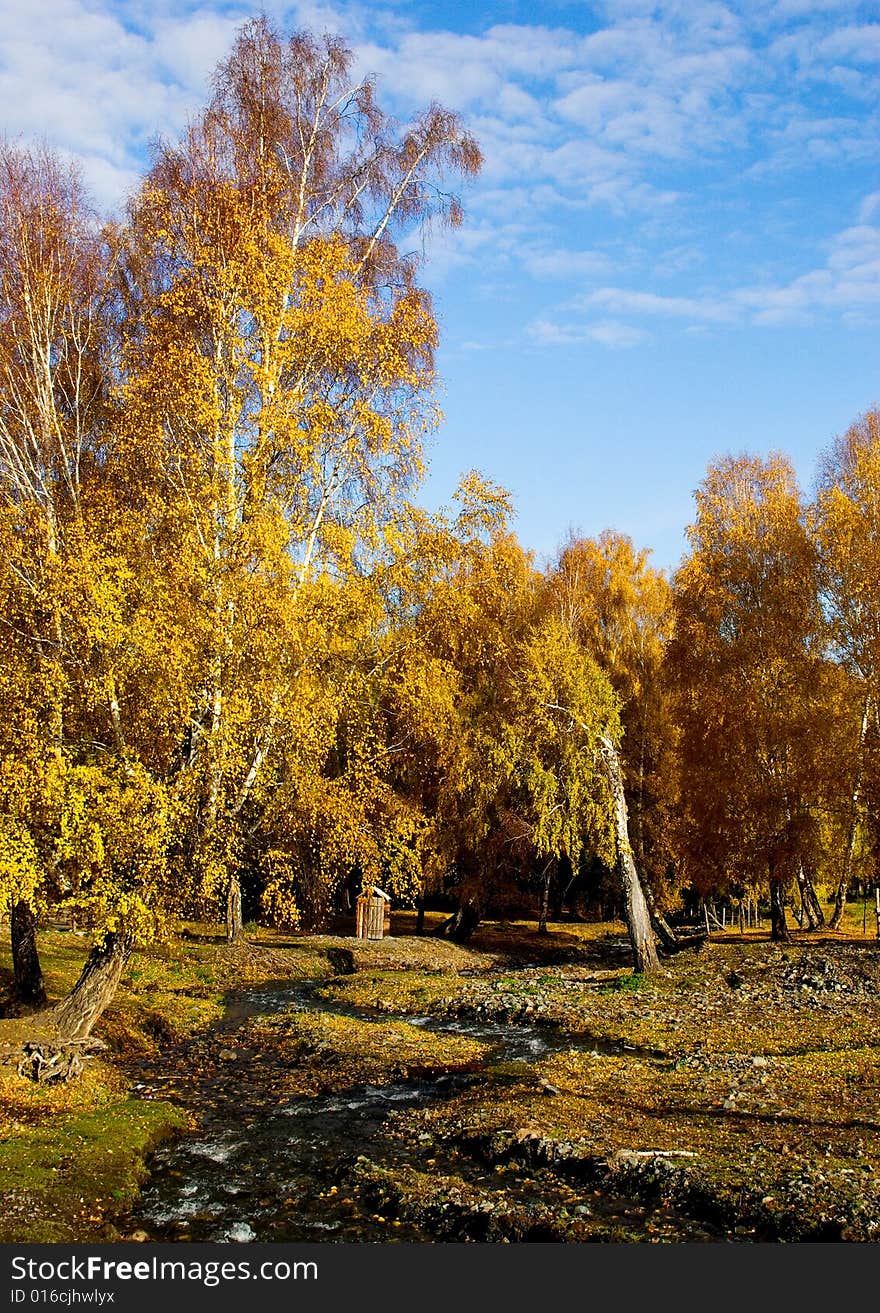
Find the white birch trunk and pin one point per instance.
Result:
(638, 920)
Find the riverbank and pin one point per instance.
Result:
(526, 1087)
(73, 1156)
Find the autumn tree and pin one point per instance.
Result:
(619, 609)
(462, 586)
(845, 525)
(278, 363)
(366, 788)
(748, 664)
(506, 730)
(54, 291)
(203, 415)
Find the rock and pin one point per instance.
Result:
(759, 1062)
(139, 1236)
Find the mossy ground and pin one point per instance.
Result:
(65, 1176)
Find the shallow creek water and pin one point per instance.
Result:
(257, 1170)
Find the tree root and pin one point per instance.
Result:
(50, 1061)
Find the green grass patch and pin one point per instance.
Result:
(394, 991)
(630, 984)
(63, 1178)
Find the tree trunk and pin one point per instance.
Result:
(839, 904)
(810, 900)
(76, 1015)
(663, 929)
(545, 899)
(849, 850)
(234, 927)
(420, 916)
(779, 931)
(29, 987)
(638, 919)
(460, 926)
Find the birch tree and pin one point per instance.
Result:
(279, 362)
(619, 608)
(845, 524)
(54, 289)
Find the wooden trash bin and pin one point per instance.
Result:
(373, 914)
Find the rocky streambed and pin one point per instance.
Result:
(523, 1105)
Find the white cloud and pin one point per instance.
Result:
(99, 80)
(847, 286)
(785, 9)
(860, 44)
(76, 75)
(610, 333)
(620, 301)
(562, 263)
(190, 49)
(848, 282)
(605, 332)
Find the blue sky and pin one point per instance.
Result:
(673, 250)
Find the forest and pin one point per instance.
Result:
(245, 675)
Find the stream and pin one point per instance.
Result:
(264, 1170)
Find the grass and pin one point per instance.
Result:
(394, 991)
(66, 1175)
(72, 1156)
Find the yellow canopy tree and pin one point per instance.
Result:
(278, 361)
(619, 609)
(845, 525)
(203, 414)
(749, 672)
